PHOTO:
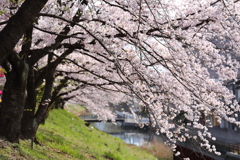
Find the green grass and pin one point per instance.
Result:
(75, 109)
(65, 136)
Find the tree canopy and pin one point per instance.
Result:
(172, 55)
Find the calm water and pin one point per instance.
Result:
(131, 135)
(134, 135)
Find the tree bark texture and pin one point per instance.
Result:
(13, 102)
(29, 109)
(17, 26)
(43, 107)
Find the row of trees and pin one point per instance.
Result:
(168, 54)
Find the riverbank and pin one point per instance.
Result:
(65, 136)
(77, 110)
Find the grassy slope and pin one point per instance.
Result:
(65, 136)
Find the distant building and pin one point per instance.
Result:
(226, 133)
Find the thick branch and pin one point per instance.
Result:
(17, 26)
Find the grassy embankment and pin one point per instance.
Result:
(65, 136)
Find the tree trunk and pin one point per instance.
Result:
(13, 102)
(17, 26)
(29, 109)
(43, 108)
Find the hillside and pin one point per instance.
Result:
(65, 136)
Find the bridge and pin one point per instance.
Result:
(126, 118)
(93, 118)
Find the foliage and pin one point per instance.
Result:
(172, 55)
(2, 70)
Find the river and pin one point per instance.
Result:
(131, 135)
(134, 135)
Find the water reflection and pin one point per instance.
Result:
(130, 135)
(137, 139)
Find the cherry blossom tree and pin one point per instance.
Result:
(172, 55)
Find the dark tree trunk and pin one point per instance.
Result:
(17, 26)
(29, 109)
(31, 126)
(13, 101)
(43, 107)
